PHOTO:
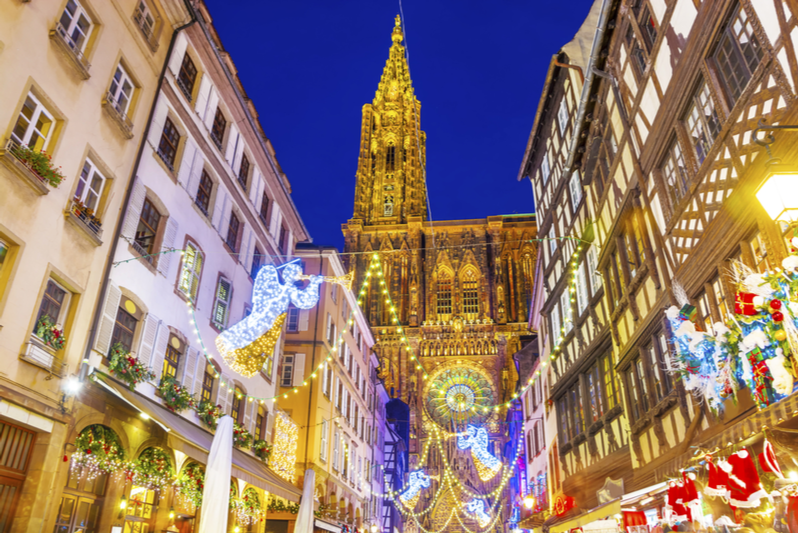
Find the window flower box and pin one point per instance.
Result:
(83, 218)
(118, 115)
(127, 368)
(38, 353)
(71, 50)
(32, 167)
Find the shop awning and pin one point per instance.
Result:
(194, 441)
(326, 526)
(598, 513)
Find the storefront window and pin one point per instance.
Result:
(141, 510)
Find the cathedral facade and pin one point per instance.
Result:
(460, 289)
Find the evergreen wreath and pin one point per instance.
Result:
(262, 449)
(98, 447)
(126, 368)
(175, 396)
(241, 437)
(209, 414)
(47, 331)
(190, 483)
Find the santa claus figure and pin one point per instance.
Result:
(744, 484)
(717, 479)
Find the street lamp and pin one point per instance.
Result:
(779, 194)
(528, 502)
(373, 528)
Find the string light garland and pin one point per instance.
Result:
(572, 287)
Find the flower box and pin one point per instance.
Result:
(176, 397)
(128, 368)
(10, 158)
(83, 218)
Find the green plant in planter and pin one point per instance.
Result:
(49, 332)
(241, 437)
(40, 163)
(262, 449)
(209, 414)
(176, 397)
(126, 368)
(153, 469)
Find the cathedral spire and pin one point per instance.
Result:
(389, 182)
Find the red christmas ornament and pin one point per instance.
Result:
(775, 304)
(66, 458)
(777, 316)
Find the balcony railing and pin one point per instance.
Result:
(38, 354)
(142, 252)
(165, 159)
(71, 49)
(147, 30)
(217, 140)
(10, 156)
(187, 91)
(118, 114)
(84, 220)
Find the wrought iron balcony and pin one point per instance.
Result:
(10, 157)
(118, 114)
(71, 50)
(83, 219)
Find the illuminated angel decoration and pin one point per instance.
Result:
(246, 344)
(477, 440)
(417, 481)
(478, 508)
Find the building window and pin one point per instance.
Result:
(171, 359)
(737, 55)
(637, 384)
(390, 153)
(144, 19)
(702, 121)
(576, 408)
(264, 211)
(636, 52)
(566, 309)
(218, 128)
(591, 265)
(203, 197)
(595, 387)
(258, 260)
(293, 320)
(555, 323)
(233, 232)
(323, 444)
(617, 277)
(718, 291)
(609, 382)
(237, 406)
(208, 384)
(244, 172)
(187, 76)
(759, 249)
(444, 296)
(335, 461)
(575, 190)
(90, 187)
(261, 422)
(551, 235)
(647, 25)
(469, 287)
(75, 25)
(121, 91)
(282, 240)
(221, 303)
(581, 293)
(287, 370)
(190, 273)
(563, 116)
(145, 238)
(35, 125)
(168, 145)
(53, 303)
(545, 168)
(124, 328)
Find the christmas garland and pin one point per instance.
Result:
(189, 485)
(153, 469)
(209, 414)
(176, 397)
(49, 332)
(241, 437)
(262, 449)
(755, 348)
(98, 450)
(128, 369)
(277, 505)
(248, 507)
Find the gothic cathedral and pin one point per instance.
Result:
(461, 288)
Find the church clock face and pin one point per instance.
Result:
(458, 396)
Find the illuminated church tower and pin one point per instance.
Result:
(459, 288)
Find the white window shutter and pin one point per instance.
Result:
(255, 187)
(248, 414)
(157, 125)
(178, 51)
(299, 369)
(211, 109)
(134, 210)
(159, 350)
(199, 374)
(202, 96)
(169, 241)
(189, 368)
(245, 250)
(187, 162)
(274, 219)
(303, 322)
(219, 206)
(237, 158)
(233, 143)
(194, 177)
(225, 220)
(148, 339)
(103, 341)
(227, 395)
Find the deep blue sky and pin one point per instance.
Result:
(477, 68)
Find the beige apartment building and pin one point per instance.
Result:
(77, 83)
(339, 415)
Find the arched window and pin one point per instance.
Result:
(469, 294)
(237, 407)
(444, 295)
(189, 281)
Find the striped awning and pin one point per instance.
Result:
(598, 513)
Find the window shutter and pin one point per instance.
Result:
(164, 260)
(299, 369)
(324, 378)
(177, 53)
(237, 158)
(148, 339)
(225, 395)
(256, 187)
(225, 218)
(187, 163)
(233, 143)
(157, 125)
(336, 393)
(248, 414)
(219, 206)
(189, 368)
(248, 242)
(193, 183)
(103, 341)
(323, 445)
(202, 96)
(328, 328)
(160, 349)
(211, 109)
(199, 374)
(303, 322)
(274, 219)
(134, 210)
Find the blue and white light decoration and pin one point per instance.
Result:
(476, 439)
(246, 345)
(478, 508)
(417, 481)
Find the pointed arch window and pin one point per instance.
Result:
(444, 295)
(469, 292)
(390, 157)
